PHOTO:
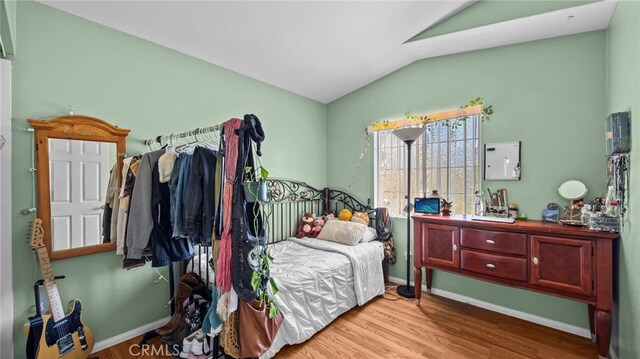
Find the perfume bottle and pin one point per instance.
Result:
(478, 204)
(608, 203)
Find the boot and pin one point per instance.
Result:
(184, 291)
(192, 280)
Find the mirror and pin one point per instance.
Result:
(77, 158)
(573, 191)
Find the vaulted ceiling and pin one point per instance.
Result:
(324, 50)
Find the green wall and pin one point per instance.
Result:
(548, 94)
(8, 25)
(623, 94)
(551, 94)
(64, 60)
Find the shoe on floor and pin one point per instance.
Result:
(187, 343)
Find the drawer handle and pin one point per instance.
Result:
(490, 241)
(536, 261)
(455, 247)
(489, 265)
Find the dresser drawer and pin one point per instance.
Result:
(496, 265)
(494, 241)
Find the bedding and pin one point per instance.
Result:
(349, 233)
(318, 281)
(369, 235)
(199, 264)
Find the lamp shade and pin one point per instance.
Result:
(408, 135)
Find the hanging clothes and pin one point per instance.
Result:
(212, 324)
(199, 211)
(128, 263)
(248, 225)
(125, 200)
(223, 273)
(164, 248)
(140, 222)
(111, 207)
(179, 195)
(218, 190)
(165, 166)
(123, 209)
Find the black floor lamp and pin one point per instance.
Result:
(408, 135)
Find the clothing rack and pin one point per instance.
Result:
(160, 141)
(180, 138)
(180, 142)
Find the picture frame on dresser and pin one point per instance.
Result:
(550, 215)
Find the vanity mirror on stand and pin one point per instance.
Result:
(574, 192)
(74, 158)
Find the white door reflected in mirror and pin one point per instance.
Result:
(78, 178)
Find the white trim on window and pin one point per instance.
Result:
(375, 170)
(6, 286)
(446, 157)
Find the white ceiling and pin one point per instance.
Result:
(321, 50)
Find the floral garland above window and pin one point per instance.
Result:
(473, 107)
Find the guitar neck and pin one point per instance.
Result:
(49, 280)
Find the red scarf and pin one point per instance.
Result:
(223, 276)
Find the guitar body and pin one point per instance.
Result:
(57, 335)
(68, 338)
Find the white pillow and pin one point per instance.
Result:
(369, 235)
(349, 233)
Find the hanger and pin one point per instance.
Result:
(210, 141)
(199, 137)
(167, 141)
(189, 146)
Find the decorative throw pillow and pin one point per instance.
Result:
(369, 235)
(349, 233)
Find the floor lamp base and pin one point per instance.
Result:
(406, 291)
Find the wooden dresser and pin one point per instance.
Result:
(569, 262)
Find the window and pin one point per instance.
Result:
(445, 158)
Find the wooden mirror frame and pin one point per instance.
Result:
(72, 127)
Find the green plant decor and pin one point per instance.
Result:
(264, 285)
(261, 280)
(254, 183)
(430, 123)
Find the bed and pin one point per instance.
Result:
(318, 280)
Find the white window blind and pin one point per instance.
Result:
(445, 158)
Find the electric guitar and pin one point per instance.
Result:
(62, 336)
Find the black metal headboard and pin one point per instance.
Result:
(288, 199)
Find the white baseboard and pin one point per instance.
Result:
(109, 342)
(583, 332)
(612, 353)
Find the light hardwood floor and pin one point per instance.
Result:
(393, 327)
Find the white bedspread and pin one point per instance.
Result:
(318, 281)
